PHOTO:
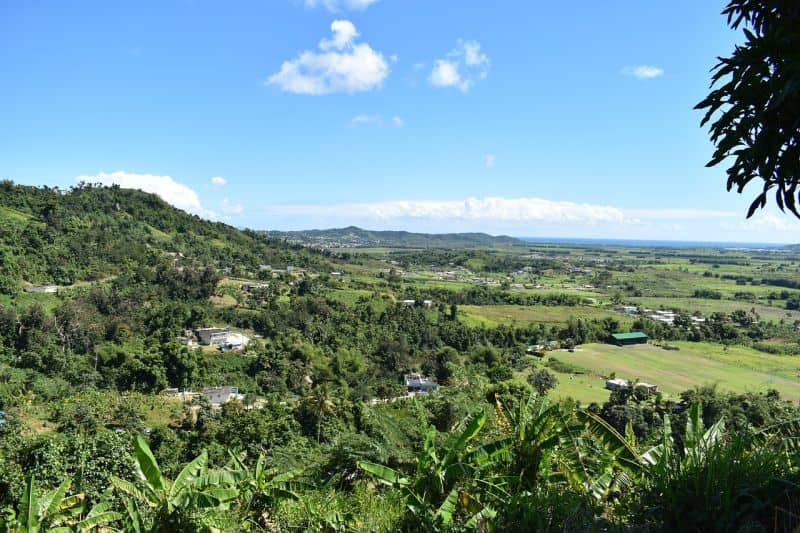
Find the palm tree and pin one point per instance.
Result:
(320, 405)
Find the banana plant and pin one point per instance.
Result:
(196, 499)
(57, 512)
(261, 488)
(446, 479)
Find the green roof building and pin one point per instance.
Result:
(626, 339)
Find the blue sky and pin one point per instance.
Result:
(517, 117)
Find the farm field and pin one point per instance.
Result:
(492, 315)
(738, 369)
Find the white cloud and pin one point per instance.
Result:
(341, 65)
(764, 222)
(229, 208)
(489, 160)
(488, 208)
(642, 72)
(218, 181)
(680, 214)
(461, 67)
(172, 192)
(393, 58)
(365, 120)
(334, 6)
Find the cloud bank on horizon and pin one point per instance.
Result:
(490, 213)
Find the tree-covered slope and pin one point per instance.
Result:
(91, 232)
(356, 237)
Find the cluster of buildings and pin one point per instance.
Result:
(663, 316)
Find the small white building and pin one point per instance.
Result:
(250, 287)
(234, 341)
(409, 303)
(419, 384)
(617, 383)
(49, 289)
(630, 309)
(220, 395)
(427, 303)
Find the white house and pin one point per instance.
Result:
(219, 395)
(419, 384)
(617, 383)
(234, 341)
(409, 303)
(50, 289)
(213, 336)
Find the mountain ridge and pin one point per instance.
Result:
(356, 237)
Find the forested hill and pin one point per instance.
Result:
(91, 232)
(352, 236)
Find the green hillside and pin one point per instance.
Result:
(91, 232)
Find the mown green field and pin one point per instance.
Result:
(492, 315)
(737, 368)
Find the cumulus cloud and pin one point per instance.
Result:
(489, 160)
(218, 181)
(461, 67)
(642, 72)
(171, 191)
(340, 65)
(229, 208)
(334, 6)
(397, 121)
(488, 208)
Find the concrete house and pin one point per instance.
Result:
(213, 336)
(419, 384)
(220, 395)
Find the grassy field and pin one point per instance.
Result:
(738, 368)
(492, 315)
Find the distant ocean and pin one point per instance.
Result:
(653, 244)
